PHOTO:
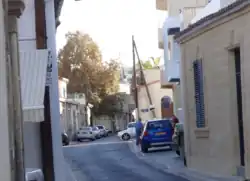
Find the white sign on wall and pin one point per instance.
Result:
(49, 70)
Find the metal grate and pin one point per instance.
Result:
(199, 93)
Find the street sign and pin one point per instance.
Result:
(49, 70)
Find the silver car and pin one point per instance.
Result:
(86, 133)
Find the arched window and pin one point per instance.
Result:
(165, 102)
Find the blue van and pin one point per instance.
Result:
(156, 133)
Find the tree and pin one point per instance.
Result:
(151, 63)
(155, 61)
(115, 104)
(81, 62)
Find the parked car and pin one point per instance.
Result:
(128, 133)
(97, 132)
(86, 133)
(103, 130)
(156, 133)
(65, 139)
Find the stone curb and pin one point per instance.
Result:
(69, 171)
(182, 172)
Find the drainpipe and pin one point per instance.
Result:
(17, 101)
(58, 157)
(9, 93)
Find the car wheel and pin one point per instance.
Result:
(125, 137)
(177, 152)
(144, 148)
(66, 143)
(79, 140)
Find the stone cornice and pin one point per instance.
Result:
(15, 7)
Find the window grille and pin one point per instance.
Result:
(199, 93)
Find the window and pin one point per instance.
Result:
(94, 128)
(85, 129)
(165, 102)
(159, 124)
(131, 125)
(199, 93)
(100, 127)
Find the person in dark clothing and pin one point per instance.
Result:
(175, 120)
(138, 129)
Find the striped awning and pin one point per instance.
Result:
(33, 65)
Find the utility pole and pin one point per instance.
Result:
(143, 78)
(53, 93)
(134, 86)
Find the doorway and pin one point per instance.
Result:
(237, 59)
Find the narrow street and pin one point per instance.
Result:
(111, 159)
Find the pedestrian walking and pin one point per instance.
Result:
(139, 128)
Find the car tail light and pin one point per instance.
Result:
(145, 133)
(90, 132)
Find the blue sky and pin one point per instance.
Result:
(111, 23)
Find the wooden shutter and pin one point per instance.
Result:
(199, 93)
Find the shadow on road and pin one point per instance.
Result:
(159, 150)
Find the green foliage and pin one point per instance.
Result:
(110, 105)
(151, 63)
(81, 62)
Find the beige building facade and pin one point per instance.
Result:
(180, 13)
(215, 76)
(152, 77)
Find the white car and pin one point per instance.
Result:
(104, 131)
(86, 133)
(128, 133)
(97, 132)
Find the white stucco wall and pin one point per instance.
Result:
(32, 145)
(174, 6)
(212, 7)
(27, 42)
(27, 27)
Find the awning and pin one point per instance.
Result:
(33, 65)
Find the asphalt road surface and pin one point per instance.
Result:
(111, 160)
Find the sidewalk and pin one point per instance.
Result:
(168, 162)
(68, 172)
